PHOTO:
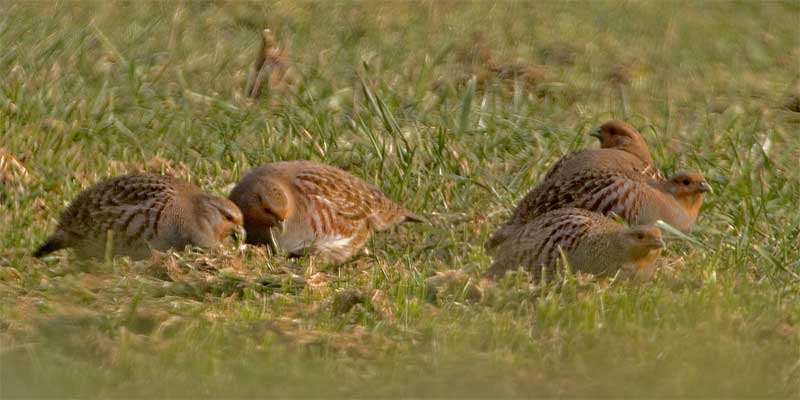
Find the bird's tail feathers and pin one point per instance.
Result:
(53, 243)
(411, 217)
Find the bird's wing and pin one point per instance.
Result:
(346, 196)
(590, 190)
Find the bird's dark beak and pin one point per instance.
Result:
(659, 243)
(705, 188)
(595, 133)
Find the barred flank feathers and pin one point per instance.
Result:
(590, 242)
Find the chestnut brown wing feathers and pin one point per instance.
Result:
(343, 196)
(349, 197)
(598, 191)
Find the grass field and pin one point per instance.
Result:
(399, 94)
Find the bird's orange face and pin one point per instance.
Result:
(687, 184)
(230, 219)
(644, 242)
(258, 222)
(690, 190)
(269, 209)
(218, 218)
(265, 205)
(265, 217)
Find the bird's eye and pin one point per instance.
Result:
(640, 236)
(685, 181)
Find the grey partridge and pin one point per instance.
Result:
(622, 149)
(310, 208)
(634, 197)
(143, 212)
(591, 242)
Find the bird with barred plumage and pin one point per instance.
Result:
(634, 197)
(305, 207)
(141, 213)
(590, 242)
(619, 178)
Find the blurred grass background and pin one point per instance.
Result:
(454, 108)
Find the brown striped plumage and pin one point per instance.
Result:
(143, 212)
(622, 149)
(306, 207)
(634, 197)
(591, 243)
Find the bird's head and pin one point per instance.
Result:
(642, 242)
(690, 189)
(220, 215)
(266, 204)
(621, 136)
